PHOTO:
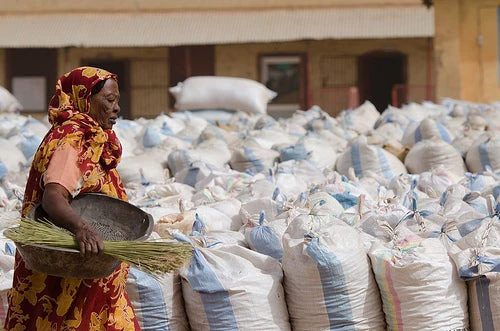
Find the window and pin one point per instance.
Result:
(286, 75)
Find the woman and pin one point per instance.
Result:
(79, 154)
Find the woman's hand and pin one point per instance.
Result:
(89, 240)
(55, 202)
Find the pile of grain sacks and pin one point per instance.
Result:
(363, 221)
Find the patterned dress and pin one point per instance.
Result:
(42, 302)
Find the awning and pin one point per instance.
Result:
(213, 27)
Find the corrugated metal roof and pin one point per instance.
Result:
(216, 27)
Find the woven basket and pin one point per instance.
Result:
(115, 219)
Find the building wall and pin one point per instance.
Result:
(242, 60)
(466, 44)
(149, 71)
(148, 68)
(148, 5)
(479, 51)
(3, 78)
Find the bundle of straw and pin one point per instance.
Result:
(154, 257)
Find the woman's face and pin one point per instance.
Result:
(104, 106)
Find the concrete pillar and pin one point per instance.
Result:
(447, 49)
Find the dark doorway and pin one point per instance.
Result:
(187, 61)
(120, 68)
(36, 70)
(378, 72)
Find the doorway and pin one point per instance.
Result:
(31, 77)
(187, 61)
(378, 72)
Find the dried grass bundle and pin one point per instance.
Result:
(150, 256)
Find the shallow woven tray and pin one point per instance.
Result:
(129, 221)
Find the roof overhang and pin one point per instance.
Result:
(213, 27)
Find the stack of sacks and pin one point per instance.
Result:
(312, 194)
(8, 102)
(127, 131)
(20, 137)
(143, 140)
(7, 252)
(12, 159)
(476, 258)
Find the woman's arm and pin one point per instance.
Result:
(55, 202)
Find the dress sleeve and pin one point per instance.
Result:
(63, 169)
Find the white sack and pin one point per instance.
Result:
(428, 154)
(465, 139)
(320, 152)
(361, 119)
(419, 285)
(263, 238)
(8, 103)
(484, 302)
(328, 280)
(229, 287)
(143, 168)
(35, 127)
(157, 302)
(478, 251)
(435, 182)
(484, 153)
(11, 157)
(230, 207)
(215, 92)
(387, 132)
(213, 151)
(364, 158)
(427, 129)
(213, 219)
(253, 158)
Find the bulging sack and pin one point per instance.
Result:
(215, 92)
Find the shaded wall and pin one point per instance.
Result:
(141, 5)
(466, 44)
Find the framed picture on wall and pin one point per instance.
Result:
(285, 75)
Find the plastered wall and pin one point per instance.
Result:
(154, 5)
(148, 69)
(466, 44)
(242, 60)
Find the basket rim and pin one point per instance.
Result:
(147, 216)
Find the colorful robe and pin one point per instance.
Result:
(42, 302)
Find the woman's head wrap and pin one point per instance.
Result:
(73, 91)
(99, 150)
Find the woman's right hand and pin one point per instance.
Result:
(89, 241)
